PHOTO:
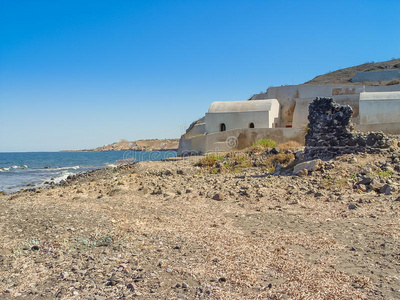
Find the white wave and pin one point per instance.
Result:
(111, 165)
(4, 169)
(68, 168)
(64, 175)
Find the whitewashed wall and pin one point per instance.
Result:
(379, 108)
(242, 119)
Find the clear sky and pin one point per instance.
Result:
(80, 74)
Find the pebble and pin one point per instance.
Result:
(302, 173)
(352, 206)
(353, 160)
(218, 197)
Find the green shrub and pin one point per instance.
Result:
(266, 143)
(385, 173)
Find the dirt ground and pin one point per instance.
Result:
(171, 230)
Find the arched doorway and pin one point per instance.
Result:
(222, 127)
(251, 125)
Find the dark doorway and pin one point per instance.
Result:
(222, 127)
(251, 125)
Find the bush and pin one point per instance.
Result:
(240, 159)
(385, 173)
(257, 149)
(210, 160)
(281, 158)
(266, 143)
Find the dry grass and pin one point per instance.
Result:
(393, 82)
(291, 145)
(210, 160)
(331, 183)
(282, 158)
(257, 149)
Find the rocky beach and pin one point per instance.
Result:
(214, 227)
(179, 150)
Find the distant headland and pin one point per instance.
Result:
(139, 145)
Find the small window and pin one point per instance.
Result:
(251, 125)
(222, 127)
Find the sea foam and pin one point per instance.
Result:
(5, 169)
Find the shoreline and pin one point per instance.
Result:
(167, 228)
(41, 170)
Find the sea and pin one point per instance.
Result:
(27, 170)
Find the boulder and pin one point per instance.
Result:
(366, 181)
(386, 189)
(310, 166)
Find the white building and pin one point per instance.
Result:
(282, 115)
(231, 115)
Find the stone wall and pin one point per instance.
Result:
(237, 139)
(331, 133)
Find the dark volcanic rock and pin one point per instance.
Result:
(331, 132)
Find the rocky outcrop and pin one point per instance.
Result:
(331, 133)
(140, 145)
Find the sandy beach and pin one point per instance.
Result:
(174, 230)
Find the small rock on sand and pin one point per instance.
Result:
(218, 197)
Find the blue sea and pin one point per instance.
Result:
(23, 170)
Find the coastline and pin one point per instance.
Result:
(139, 145)
(137, 150)
(158, 229)
(42, 169)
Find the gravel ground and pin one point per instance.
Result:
(172, 230)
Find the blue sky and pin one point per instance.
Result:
(80, 74)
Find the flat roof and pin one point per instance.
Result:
(242, 106)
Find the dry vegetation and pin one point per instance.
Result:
(266, 154)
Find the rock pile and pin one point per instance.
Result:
(331, 133)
